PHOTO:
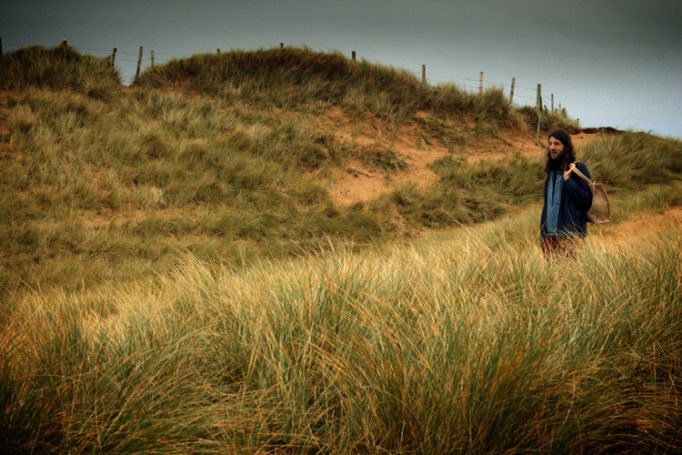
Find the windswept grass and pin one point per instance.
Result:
(59, 68)
(294, 78)
(548, 120)
(632, 160)
(469, 342)
(126, 185)
(95, 191)
(144, 310)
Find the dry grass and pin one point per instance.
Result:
(301, 79)
(469, 341)
(146, 224)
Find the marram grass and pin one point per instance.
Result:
(470, 343)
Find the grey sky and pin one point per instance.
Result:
(615, 63)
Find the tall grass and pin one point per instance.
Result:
(87, 181)
(632, 160)
(466, 341)
(293, 78)
(470, 342)
(548, 120)
(94, 191)
(59, 68)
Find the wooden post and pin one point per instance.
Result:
(281, 45)
(538, 100)
(218, 51)
(152, 52)
(139, 63)
(480, 85)
(423, 74)
(113, 58)
(537, 135)
(552, 102)
(62, 48)
(353, 55)
(511, 92)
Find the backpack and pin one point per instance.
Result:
(600, 212)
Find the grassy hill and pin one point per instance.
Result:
(231, 158)
(235, 157)
(266, 250)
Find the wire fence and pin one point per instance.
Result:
(475, 84)
(518, 94)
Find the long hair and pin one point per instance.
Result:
(569, 153)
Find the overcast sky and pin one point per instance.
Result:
(610, 63)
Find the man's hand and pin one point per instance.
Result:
(567, 174)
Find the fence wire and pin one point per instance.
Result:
(432, 79)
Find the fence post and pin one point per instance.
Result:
(552, 102)
(139, 63)
(352, 67)
(281, 45)
(152, 51)
(537, 135)
(423, 74)
(62, 48)
(113, 57)
(480, 85)
(218, 51)
(511, 93)
(538, 100)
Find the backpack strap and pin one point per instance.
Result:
(575, 169)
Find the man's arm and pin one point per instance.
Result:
(578, 189)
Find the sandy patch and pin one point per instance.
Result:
(357, 182)
(583, 138)
(508, 144)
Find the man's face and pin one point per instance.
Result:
(556, 148)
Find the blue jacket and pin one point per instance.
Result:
(576, 200)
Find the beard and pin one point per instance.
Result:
(556, 163)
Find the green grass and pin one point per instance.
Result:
(295, 78)
(176, 278)
(548, 120)
(152, 174)
(479, 345)
(632, 160)
(59, 68)
(94, 191)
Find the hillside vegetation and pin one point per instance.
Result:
(300, 79)
(229, 158)
(179, 275)
(58, 68)
(466, 342)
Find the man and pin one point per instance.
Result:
(567, 197)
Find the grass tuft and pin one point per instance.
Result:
(59, 68)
